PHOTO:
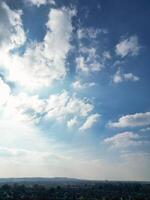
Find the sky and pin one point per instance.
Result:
(74, 89)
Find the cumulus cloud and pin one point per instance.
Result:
(129, 46)
(12, 34)
(61, 105)
(92, 119)
(121, 77)
(123, 139)
(133, 120)
(23, 108)
(47, 58)
(31, 109)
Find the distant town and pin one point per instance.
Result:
(72, 189)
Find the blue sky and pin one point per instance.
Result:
(74, 89)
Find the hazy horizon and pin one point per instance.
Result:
(74, 89)
(44, 178)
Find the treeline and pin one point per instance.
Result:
(94, 191)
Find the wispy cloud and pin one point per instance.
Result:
(78, 85)
(90, 32)
(146, 129)
(40, 2)
(92, 119)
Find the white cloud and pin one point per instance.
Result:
(131, 77)
(23, 108)
(4, 92)
(92, 119)
(57, 39)
(78, 85)
(133, 120)
(12, 34)
(128, 46)
(146, 129)
(106, 55)
(30, 109)
(117, 78)
(47, 58)
(89, 62)
(120, 77)
(88, 59)
(123, 139)
(40, 2)
(72, 122)
(60, 106)
(92, 33)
